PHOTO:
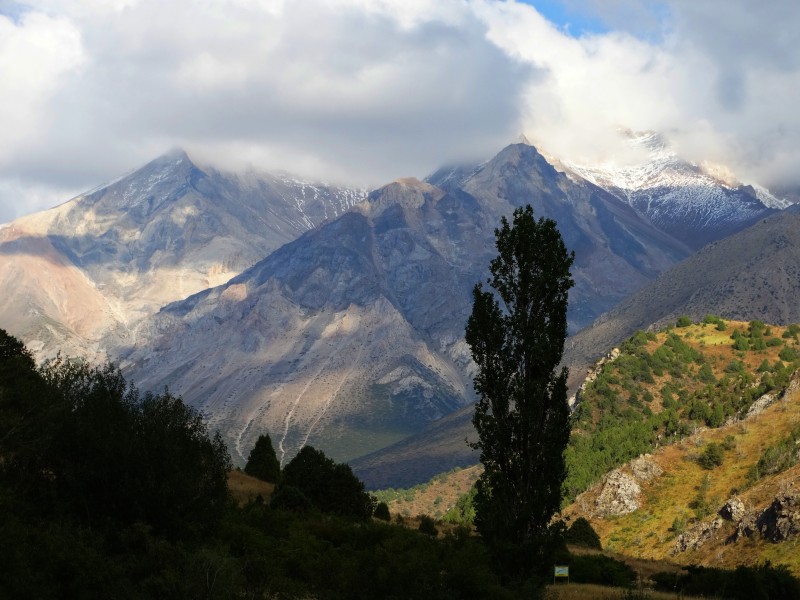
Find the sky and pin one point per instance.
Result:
(367, 91)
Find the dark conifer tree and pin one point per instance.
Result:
(262, 461)
(521, 416)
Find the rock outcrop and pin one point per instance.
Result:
(645, 468)
(695, 537)
(778, 522)
(733, 509)
(781, 520)
(619, 496)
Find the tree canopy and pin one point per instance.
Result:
(81, 441)
(262, 461)
(516, 334)
(330, 486)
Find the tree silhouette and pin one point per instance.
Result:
(262, 461)
(521, 416)
(330, 486)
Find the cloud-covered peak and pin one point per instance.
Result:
(362, 92)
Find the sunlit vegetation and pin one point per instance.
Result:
(664, 386)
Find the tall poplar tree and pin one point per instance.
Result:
(516, 334)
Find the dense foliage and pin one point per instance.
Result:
(763, 582)
(262, 462)
(105, 493)
(80, 442)
(331, 487)
(521, 416)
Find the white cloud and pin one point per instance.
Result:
(36, 54)
(369, 90)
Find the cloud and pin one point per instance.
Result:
(361, 92)
(365, 91)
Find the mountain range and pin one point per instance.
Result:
(330, 317)
(81, 277)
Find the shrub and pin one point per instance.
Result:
(683, 321)
(288, 497)
(581, 533)
(427, 526)
(602, 570)
(712, 456)
(463, 513)
(382, 512)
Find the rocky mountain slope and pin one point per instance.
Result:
(351, 337)
(696, 204)
(348, 336)
(718, 496)
(81, 276)
(616, 250)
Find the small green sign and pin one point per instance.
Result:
(561, 571)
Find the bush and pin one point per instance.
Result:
(382, 512)
(712, 456)
(602, 570)
(427, 525)
(581, 533)
(288, 497)
(683, 321)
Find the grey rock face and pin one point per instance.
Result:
(619, 496)
(616, 250)
(778, 522)
(697, 536)
(781, 520)
(733, 510)
(644, 468)
(160, 234)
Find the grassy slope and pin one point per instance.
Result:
(433, 498)
(647, 531)
(245, 488)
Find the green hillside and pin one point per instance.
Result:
(659, 388)
(682, 394)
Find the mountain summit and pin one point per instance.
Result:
(693, 203)
(159, 234)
